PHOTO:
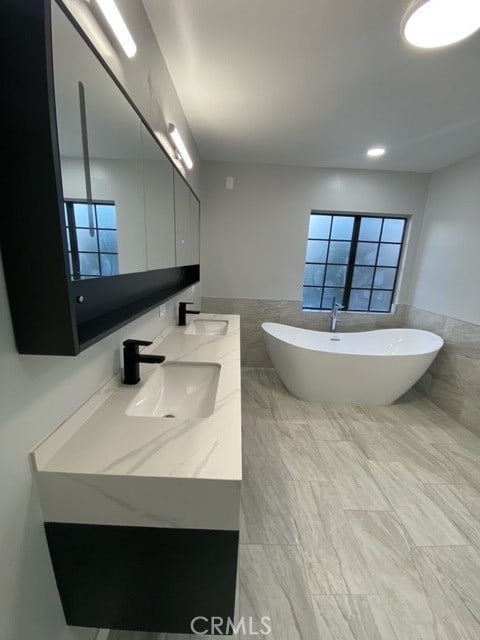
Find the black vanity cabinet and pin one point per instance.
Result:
(55, 309)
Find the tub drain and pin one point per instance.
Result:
(168, 415)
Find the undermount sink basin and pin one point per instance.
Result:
(178, 390)
(207, 327)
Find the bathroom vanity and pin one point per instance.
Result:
(140, 488)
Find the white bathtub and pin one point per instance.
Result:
(366, 368)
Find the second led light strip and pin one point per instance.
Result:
(180, 145)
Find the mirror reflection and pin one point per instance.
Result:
(117, 181)
(187, 224)
(92, 239)
(159, 204)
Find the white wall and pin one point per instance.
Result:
(37, 393)
(253, 238)
(448, 260)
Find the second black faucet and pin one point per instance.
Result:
(182, 313)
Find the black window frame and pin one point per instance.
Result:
(71, 229)
(351, 264)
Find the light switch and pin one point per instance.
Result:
(229, 183)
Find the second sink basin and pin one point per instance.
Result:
(178, 390)
(207, 327)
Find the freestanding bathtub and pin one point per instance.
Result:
(364, 368)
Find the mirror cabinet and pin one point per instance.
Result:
(99, 225)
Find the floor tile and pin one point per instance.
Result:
(326, 429)
(450, 579)
(256, 394)
(391, 443)
(466, 461)
(418, 418)
(285, 407)
(336, 422)
(272, 584)
(346, 468)
(423, 517)
(299, 452)
(388, 551)
(333, 562)
(244, 539)
(470, 498)
(461, 504)
(260, 450)
(267, 512)
(352, 618)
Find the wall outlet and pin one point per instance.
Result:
(162, 310)
(229, 183)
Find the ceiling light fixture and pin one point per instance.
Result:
(119, 28)
(375, 152)
(180, 145)
(438, 23)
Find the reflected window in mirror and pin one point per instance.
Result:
(92, 239)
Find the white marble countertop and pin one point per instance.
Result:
(101, 439)
(102, 466)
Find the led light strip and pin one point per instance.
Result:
(180, 145)
(120, 29)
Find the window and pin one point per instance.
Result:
(353, 259)
(92, 239)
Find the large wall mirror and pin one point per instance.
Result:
(96, 238)
(117, 181)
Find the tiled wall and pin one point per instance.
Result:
(254, 312)
(453, 380)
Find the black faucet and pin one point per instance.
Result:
(182, 313)
(132, 359)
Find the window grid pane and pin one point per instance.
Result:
(342, 228)
(319, 227)
(92, 239)
(356, 263)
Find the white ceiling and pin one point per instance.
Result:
(316, 82)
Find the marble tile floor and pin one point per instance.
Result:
(357, 523)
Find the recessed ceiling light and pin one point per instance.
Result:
(375, 152)
(437, 23)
